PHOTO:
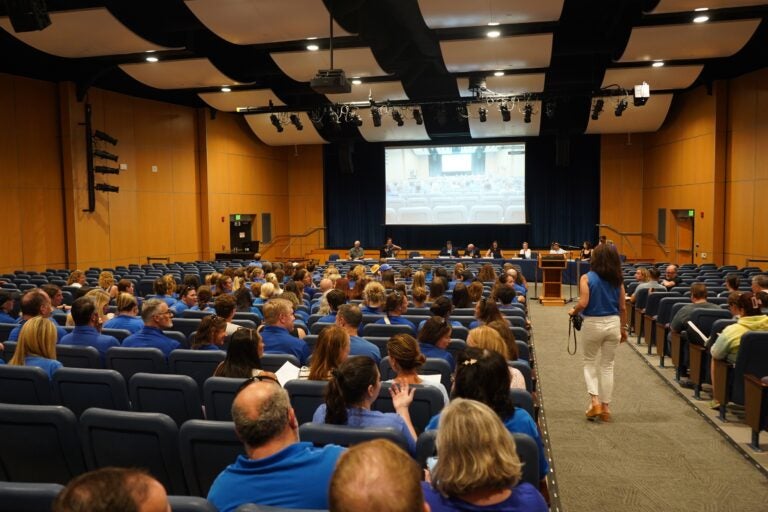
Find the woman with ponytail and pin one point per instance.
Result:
(353, 387)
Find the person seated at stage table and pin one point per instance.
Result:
(494, 251)
(586, 251)
(471, 251)
(449, 250)
(395, 305)
(525, 252)
(556, 249)
(434, 338)
(389, 249)
(356, 252)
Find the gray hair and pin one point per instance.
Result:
(149, 308)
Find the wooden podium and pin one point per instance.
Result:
(552, 266)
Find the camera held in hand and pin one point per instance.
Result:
(577, 320)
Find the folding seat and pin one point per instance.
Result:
(198, 364)
(321, 434)
(178, 336)
(427, 401)
(649, 315)
(133, 439)
(194, 314)
(751, 360)
(207, 447)
(218, 395)
(174, 395)
(120, 334)
(663, 318)
(253, 317)
(522, 398)
(190, 504)
(185, 325)
(130, 360)
(316, 327)
(306, 396)
(5, 331)
(27, 496)
(79, 389)
(710, 322)
(39, 444)
(385, 330)
(28, 385)
(78, 356)
(273, 362)
(433, 366)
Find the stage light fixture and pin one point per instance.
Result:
(376, 115)
(354, 118)
(483, 113)
(621, 106)
(296, 121)
(418, 117)
(105, 155)
(527, 113)
(276, 123)
(597, 109)
(106, 188)
(98, 134)
(506, 115)
(103, 169)
(397, 117)
(642, 93)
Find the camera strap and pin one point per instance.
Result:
(571, 334)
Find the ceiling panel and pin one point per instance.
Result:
(178, 74)
(260, 21)
(494, 126)
(377, 91)
(689, 41)
(666, 6)
(501, 53)
(231, 101)
(663, 78)
(83, 33)
(303, 66)
(442, 14)
(507, 85)
(647, 118)
(264, 129)
(389, 131)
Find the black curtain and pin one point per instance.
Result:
(562, 201)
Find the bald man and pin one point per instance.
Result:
(277, 469)
(356, 252)
(113, 490)
(376, 475)
(671, 279)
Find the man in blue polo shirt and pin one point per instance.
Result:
(277, 469)
(335, 299)
(349, 318)
(36, 302)
(156, 316)
(278, 317)
(6, 308)
(86, 331)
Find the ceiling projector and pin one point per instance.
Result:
(331, 81)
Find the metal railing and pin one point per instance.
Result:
(625, 234)
(291, 238)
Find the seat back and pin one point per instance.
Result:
(27, 497)
(273, 362)
(186, 326)
(522, 399)
(198, 364)
(174, 395)
(664, 312)
(190, 504)
(133, 439)
(523, 351)
(178, 336)
(188, 313)
(120, 334)
(78, 356)
(432, 366)
(752, 360)
(427, 401)
(245, 315)
(316, 327)
(520, 334)
(27, 385)
(306, 397)
(207, 447)
(39, 444)
(130, 360)
(385, 330)
(654, 299)
(79, 389)
(704, 318)
(641, 296)
(218, 395)
(460, 333)
(321, 434)
(5, 331)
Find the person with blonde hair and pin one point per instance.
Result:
(36, 346)
(276, 331)
(101, 299)
(419, 297)
(488, 338)
(77, 279)
(419, 280)
(127, 314)
(331, 350)
(406, 359)
(267, 291)
(107, 283)
(210, 333)
(374, 297)
(478, 467)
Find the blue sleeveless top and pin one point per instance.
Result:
(603, 298)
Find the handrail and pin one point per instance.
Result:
(625, 234)
(290, 237)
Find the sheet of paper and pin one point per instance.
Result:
(431, 378)
(288, 371)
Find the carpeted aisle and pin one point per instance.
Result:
(657, 455)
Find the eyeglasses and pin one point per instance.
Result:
(261, 378)
(169, 313)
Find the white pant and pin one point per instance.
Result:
(600, 334)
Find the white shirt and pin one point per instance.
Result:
(526, 253)
(557, 251)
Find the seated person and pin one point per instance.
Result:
(37, 346)
(434, 339)
(449, 250)
(331, 351)
(164, 291)
(157, 317)
(87, 326)
(494, 251)
(353, 388)
(406, 359)
(389, 249)
(187, 300)
(127, 311)
(356, 252)
(374, 297)
(471, 251)
(210, 333)
(112, 490)
(204, 296)
(277, 469)
(525, 252)
(243, 358)
(648, 278)
(671, 279)
(556, 249)
(6, 308)
(488, 338)
(471, 435)
(225, 305)
(486, 311)
(349, 318)
(334, 298)
(376, 475)
(396, 304)
(277, 328)
(36, 302)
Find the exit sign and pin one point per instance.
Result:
(690, 213)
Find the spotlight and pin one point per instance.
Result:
(642, 93)
(527, 112)
(506, 115)
(276, 123)
(483, 113)
(398, 117)
(295, 121)
(418, 117)
(354, 118)
(597, 109)
(105, 155)
(98, 134)
(376, 115)
(106, 188)
(103, 169)
(621, 106)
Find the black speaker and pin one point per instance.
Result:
(345, 157)
(27, 15)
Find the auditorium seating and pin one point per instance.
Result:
(321, 434)
(27, 496)
(198, 364)
(427, 401)
(218, 394)
(306, 396)
(174, 395)
(130, 360)
(206, 447)
(432, 366)
(752, 360)
(28, 385)
(78, 356)
(79, 389)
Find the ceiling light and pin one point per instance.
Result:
(295, 121)
(527, 112)
(498, 73)
(150, 51)
(276, 123)
(493, 23)
(597, 109)
(312, 47)
(658, 64)
(311, 38)
(376, 115)
(700, 19)
(418, 117)
(483, 113)
(226, 89)
(398, 117)
(701, 9)
(152, 59)
(621, 106)
(356, 81)
(493, 33)
(506, 115)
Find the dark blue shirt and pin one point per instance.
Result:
(151, 337)
(87, 336)
(7, 319)
(603, 298)
(278, 340)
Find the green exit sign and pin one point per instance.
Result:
(690, 213)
